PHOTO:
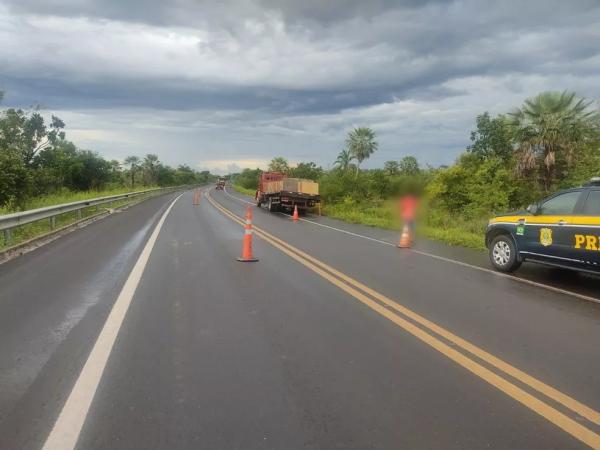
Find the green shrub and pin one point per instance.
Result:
(248, 179)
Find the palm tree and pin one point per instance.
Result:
(361, 144)
(343, 160)
(133, 162)
(549, 129)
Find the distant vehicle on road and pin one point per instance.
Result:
(220, 184)
(277, 191)
(561, 230)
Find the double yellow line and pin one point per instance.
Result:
(470, 357)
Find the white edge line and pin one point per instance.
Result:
(454, 261)
(236, 198)
(320, 224)
(512, 277)
(68, 425)
(347, 232)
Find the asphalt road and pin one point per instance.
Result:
(143, 331)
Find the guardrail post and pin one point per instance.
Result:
(79, 214)
(7, 237)
(52, 222)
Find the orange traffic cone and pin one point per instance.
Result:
(295, 216)
(247, 246)
(405, 238)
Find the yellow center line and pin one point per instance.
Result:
(549, 391)
(574, 405)
(351, 287)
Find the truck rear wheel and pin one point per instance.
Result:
(272, 206)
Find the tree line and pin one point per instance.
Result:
(552, 141)
(37, 159)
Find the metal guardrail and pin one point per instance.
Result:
(9, 221)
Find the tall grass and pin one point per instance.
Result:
(34, 229)
(66, 196)
(243, 190)
(433, 224)
(375, 214)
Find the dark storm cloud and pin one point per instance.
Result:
(426, 44)
(189, 12)
(308, 68)
(65, 94)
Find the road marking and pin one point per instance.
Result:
(547, 390)
(345, 231)
(351, 287)
(319, 224)
(454, 261)
(69, 423)
(512, 277)
(237, 198)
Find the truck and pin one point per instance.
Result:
(220, 184)
(277, 192)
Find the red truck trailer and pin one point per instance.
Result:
(278, 191)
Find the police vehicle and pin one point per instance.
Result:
(561, 230)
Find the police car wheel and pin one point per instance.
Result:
(503, 254)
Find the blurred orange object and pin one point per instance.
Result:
(408, 207)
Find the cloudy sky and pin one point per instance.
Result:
(232, 83)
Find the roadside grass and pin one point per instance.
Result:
(374, 214)
(433, 224)
(34, 229)
(66, 196)
(243, 190)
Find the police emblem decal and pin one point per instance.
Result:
(545, 237)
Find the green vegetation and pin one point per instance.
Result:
(40, 167)
(247, 179)
(279, 164)
(361, 144)
(243, 190)
(66, 196)
(37, 160)
(551, 142)
(32, 230)
(433, 225)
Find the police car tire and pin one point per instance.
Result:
(504, 242)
